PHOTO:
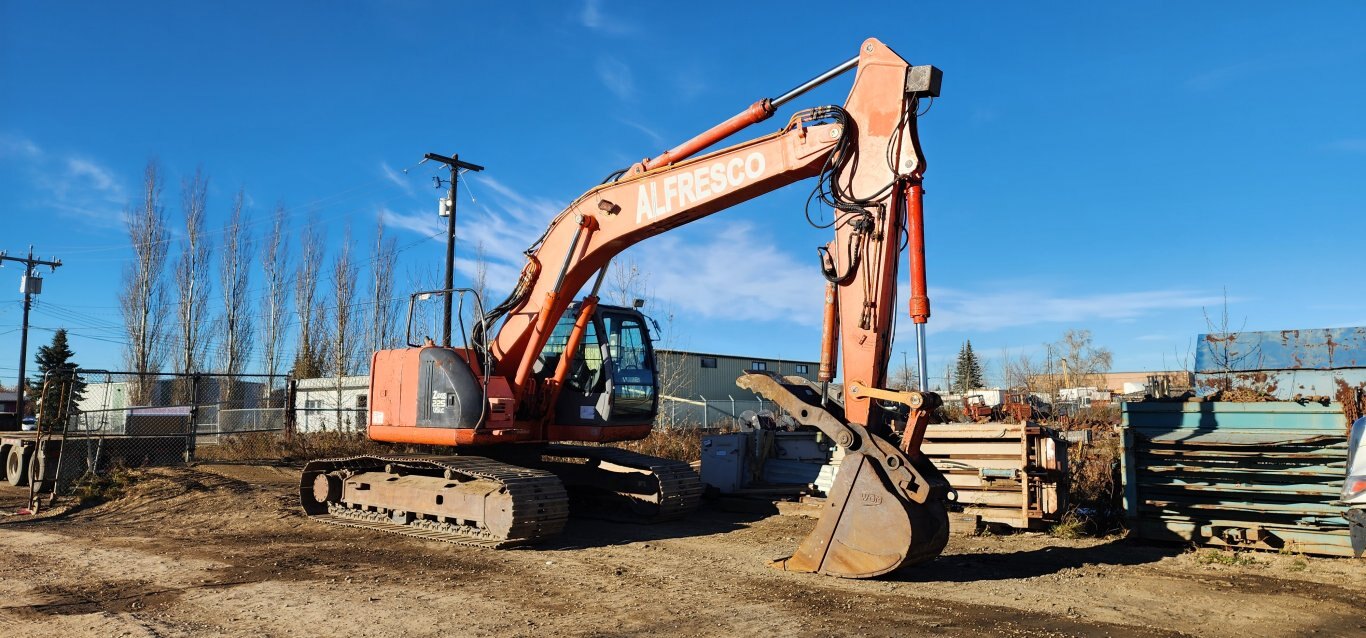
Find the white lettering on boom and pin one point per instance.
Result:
(701, 183)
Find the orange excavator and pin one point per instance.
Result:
(543, 369)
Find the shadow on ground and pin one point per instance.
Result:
(986, 566)
(583, 532)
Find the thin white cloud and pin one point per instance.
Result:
(734, 273)
(12, 147)
(649, 132)
(616, 76)
(973, 311)
(396, 178)
(691, 82)
(505, 223)
(421, 223)
(92, 175)
(592, 17)
(69, 184)
(1351, 145)
(1220, 77)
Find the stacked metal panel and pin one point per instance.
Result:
(1257, 475)
(1005, 473)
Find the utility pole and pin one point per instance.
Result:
(29, 285)
(448, 211)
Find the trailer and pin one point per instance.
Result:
(20, 458)
(54, 461)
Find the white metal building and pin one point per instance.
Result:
(332, 404)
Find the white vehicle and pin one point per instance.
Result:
(1354, 488)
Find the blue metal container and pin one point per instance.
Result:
(1256, 475)
(1285, 363)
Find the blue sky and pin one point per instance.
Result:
(1098, 166)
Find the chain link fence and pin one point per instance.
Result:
(707, 413)
(92, 421)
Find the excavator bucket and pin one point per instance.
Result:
(867, 529)
(885, 510)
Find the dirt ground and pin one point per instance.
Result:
(222, 550)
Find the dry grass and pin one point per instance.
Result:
(1094, 485)
(259, 446)
(679, 444)
(1092, 472)
(1243, 394)
(683, 444)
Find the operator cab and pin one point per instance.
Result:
(612, 377)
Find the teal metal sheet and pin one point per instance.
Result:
(1262, 475)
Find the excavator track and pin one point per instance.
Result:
(529, 504)
(672, 491)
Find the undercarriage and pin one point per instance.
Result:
(513, 497)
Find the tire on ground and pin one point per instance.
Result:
(16, 466)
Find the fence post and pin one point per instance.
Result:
(291, 388)
(194, 418)
(705, 409)
(732, 406)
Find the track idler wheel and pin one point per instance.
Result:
(869, 528)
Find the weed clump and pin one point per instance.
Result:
(1227, 558)
(97, 488)
(1071, 527)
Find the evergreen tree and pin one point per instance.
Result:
(56, 367)
(968, 373)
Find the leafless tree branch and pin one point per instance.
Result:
(143, 301)
(192, 276)
(234, 279)
(275, 265)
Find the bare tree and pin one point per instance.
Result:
(234, 278)
(1226, 354)
(626, 282)
(309, 352)
(274, 265)
(1074, 361)
(383, 258)
(344, 327)
(425, 317)
(1021, 372)
(142, 300)
(1086, 363)
(903, 378)
(479, 283)
(192, 277)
